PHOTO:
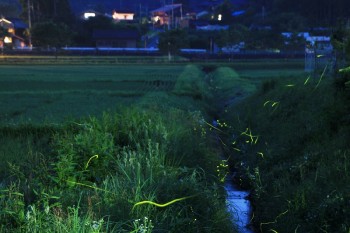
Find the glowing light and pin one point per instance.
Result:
(89, 14)
(319, 81)
(156, 18)
(86, 185)
(92, 157)
(261, 154)
(7, 40)
(275, 104)
(162, 205)
(266, 102)
(219, 17)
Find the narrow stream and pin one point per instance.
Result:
(238, 206)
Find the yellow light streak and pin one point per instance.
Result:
(162, 205)
(307, 80)
(88, 162)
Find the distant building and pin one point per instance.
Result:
(168, 15)
(123, 15)
(12, 32)
(319, 54)
(116, 38)
(89, 14)
(120, 15)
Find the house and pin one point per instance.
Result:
(319, 54)
(116, 38)
(168, 15)
(13, 30)
(123, 15)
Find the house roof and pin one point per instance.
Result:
(5, 23)
(115, 34)
(167, 8)
(18, 23)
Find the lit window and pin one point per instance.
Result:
(89, 14)
(7, 40)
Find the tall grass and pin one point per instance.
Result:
(103, 174)
(298, 166)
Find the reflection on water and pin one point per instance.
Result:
(239, 206)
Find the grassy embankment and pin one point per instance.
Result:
(94, 174)
(105, 172)
(290, 143)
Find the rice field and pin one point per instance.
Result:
(53, 93)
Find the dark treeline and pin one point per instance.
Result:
(315, 13)
(43, 10)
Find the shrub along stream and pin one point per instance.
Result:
(132, 171)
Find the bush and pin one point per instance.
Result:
(192, 83)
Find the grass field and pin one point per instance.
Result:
(118, 148)
(43, 92)
(40, 93)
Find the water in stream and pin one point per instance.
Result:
(239, 206)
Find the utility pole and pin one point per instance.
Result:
(263, 13)
(140, 18)
(55, 8)
(29, 24)
(172, 14)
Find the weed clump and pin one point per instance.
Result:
(191, 82)
(225, 83)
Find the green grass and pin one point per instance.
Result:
(59, 59)
(107, 165)
(82, 145)
(54, 93)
